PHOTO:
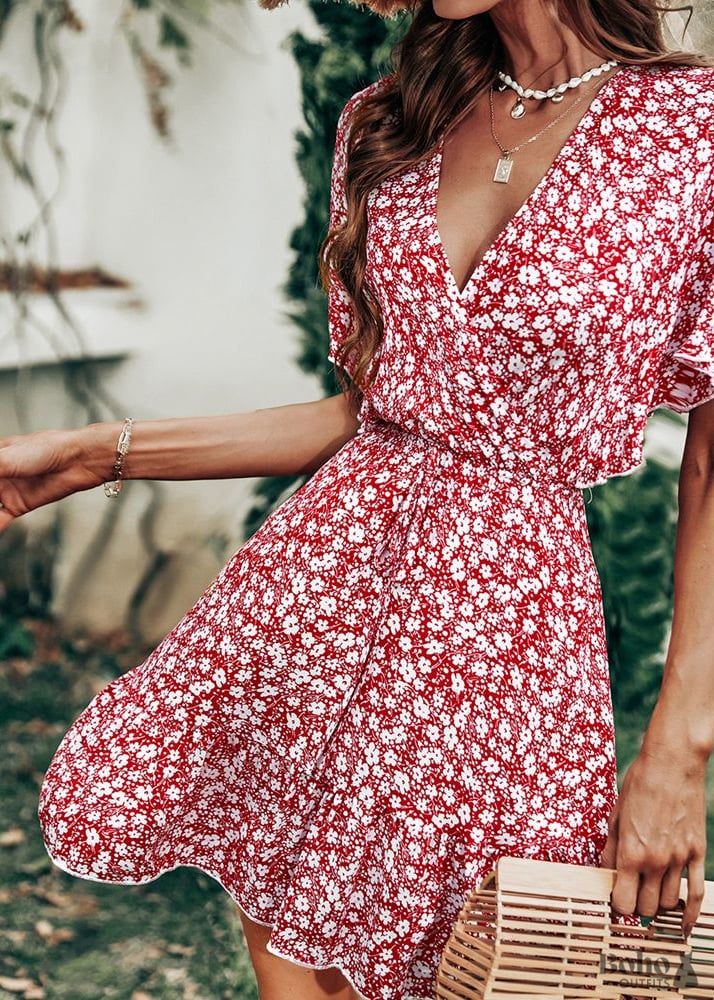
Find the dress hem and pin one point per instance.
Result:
(241, 906)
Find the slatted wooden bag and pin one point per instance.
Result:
(536, 929)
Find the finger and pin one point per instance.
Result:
(671, 885)
(6, 467)
(695, 891)
(650, 891)
(6, 518)
(609, 851)
(627, 883)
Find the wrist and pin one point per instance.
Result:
(97, 448)
(678, 736)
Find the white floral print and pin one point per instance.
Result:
(403, 675)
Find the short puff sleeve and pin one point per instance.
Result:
(340, 314)
(686, 374)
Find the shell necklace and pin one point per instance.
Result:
(554, 93)
(505, 163)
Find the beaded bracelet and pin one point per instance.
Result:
(113, 489)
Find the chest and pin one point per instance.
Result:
(577, 287)
(485, 174)
(606, 223)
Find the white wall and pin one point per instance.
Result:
(200, 229)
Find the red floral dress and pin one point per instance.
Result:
(403, 673)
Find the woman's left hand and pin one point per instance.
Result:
(657, 826)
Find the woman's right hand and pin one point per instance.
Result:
(39, 468)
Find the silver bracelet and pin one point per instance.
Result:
(114, 488)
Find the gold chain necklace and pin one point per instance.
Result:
(505, 163)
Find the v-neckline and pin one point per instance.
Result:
(597, 104)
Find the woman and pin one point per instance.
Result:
(403, 673)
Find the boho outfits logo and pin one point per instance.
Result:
(641, 970)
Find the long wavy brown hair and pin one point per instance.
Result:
(440, 68)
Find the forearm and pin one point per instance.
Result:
(683, 719)
(287, 440)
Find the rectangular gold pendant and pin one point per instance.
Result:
(503, 169)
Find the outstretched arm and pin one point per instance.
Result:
(659, 821)
(286, 440)
(293, 439)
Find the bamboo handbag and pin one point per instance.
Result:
(536, 929)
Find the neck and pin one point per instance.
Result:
(542, 51)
